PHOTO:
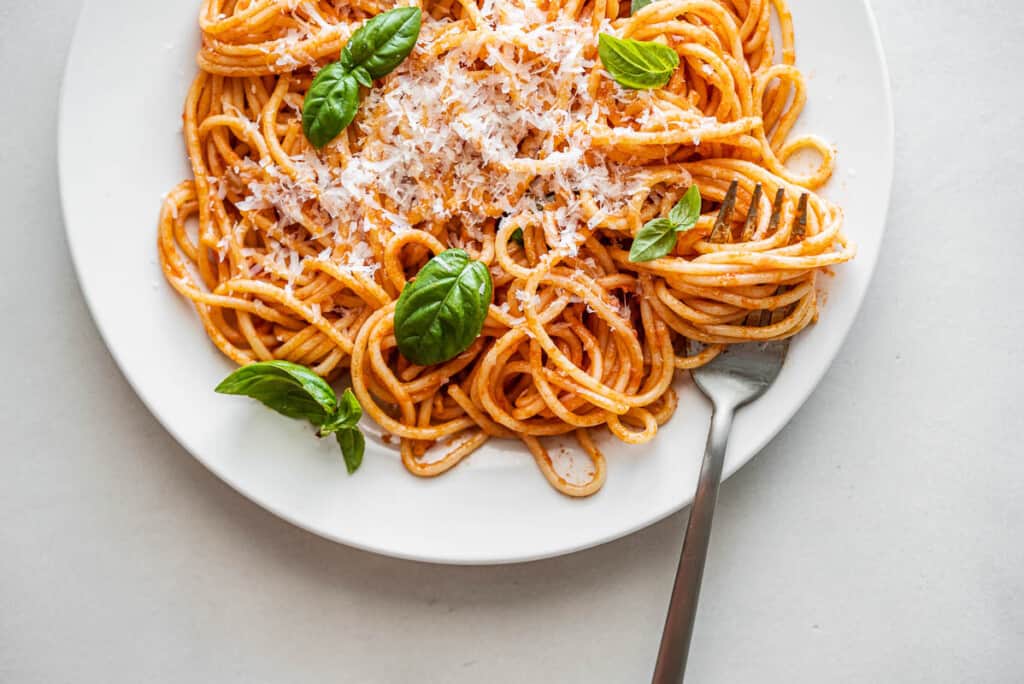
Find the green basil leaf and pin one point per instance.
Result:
(288, 388)
(635, 63)
(298, 392)
(687, 210)
(441, 313)
(330, 105)
(382, 43)
(638, 5)
(517, 237)
(655, 240)
(349, 406)
(658, 236)
(348, 414)
(352, 444)
(362, 76)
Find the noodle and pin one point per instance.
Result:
(501, 120)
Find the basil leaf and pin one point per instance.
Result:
(439, 314)
(655, 240)
(330, 105)
(352, 444)
(658, 236)
(288, 388)
(638, 5)
(517, 237)
(637, 64)
(349, 405)
(348, 414)
(687, 210)
(382, 43)
(362, 76)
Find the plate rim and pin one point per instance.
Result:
(732, 466)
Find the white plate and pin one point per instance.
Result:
(120, 150)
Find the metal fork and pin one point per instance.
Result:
(734, 378)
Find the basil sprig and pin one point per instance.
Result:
(637, 64)
(297, 392)
(441, 313)
(658, 236)
(373, 52)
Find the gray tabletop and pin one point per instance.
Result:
(879, 538)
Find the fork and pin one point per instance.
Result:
(733, 379)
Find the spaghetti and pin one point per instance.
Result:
(503, 135)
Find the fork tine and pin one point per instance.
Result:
(782, 312)
(755, 319)
(800, 225)
(761, 317)
(722, 231)
(752, 214)
(773, 224)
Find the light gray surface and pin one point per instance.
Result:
(879, 538)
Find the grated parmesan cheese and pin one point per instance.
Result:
(438, 145)
(532, 300)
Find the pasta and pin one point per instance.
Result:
(503, 135)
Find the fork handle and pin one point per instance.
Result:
(682, 609)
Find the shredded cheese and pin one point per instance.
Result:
(495, 142)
